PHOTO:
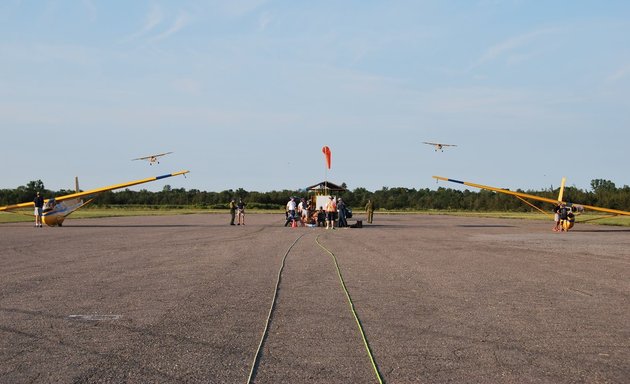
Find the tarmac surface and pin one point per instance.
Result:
(173, 299)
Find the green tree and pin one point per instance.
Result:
(35, 186)
(600, 185)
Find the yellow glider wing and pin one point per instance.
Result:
(96, 191)
(533, 197)
(16, 206)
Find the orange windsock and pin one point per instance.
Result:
(326, 152)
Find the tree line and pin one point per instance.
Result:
(603, 193)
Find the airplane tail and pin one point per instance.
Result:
(561, 193)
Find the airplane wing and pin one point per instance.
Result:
(17, 206)
(533, 197)
(96, 191)
(152, 156)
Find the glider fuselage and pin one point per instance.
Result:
(55, 213)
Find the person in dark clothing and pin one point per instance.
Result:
(343, 214)
(240, 212)
(321, 217)
(564, 212)
(291, 217)
(39, 206)
(232, 211)
(564, 215)
(369, 208)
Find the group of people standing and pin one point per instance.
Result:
(334, 210)
(564, 214)
(298, 212)
(237, 210)
(303, 212)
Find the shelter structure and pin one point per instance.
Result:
(324, 189)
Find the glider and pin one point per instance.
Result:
(567, 210)
(439, 146)
(56, 209)
(152, 158)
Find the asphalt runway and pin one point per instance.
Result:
(173, 299)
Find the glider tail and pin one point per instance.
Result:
(561, 193)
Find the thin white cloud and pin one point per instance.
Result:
(237, 8)
(151, 21)
(180, 22)
(91, 9)
(493, 3)
(153, 18)
(620, 74)
(264, 20)
(509, 48)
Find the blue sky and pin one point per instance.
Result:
(246, 93)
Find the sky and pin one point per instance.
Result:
(245, 93)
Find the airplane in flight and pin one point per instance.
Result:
(57, 209)
(439, 146)
(152, 158)
(567, 210)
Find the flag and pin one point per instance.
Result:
(326, 152)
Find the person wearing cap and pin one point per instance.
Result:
(331, 209)
(232, 211)
(39, 206)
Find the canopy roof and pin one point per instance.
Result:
(325, 186)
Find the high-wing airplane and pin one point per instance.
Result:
(56, 209)
(567, 210)
(439, 146)
(152, 158)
